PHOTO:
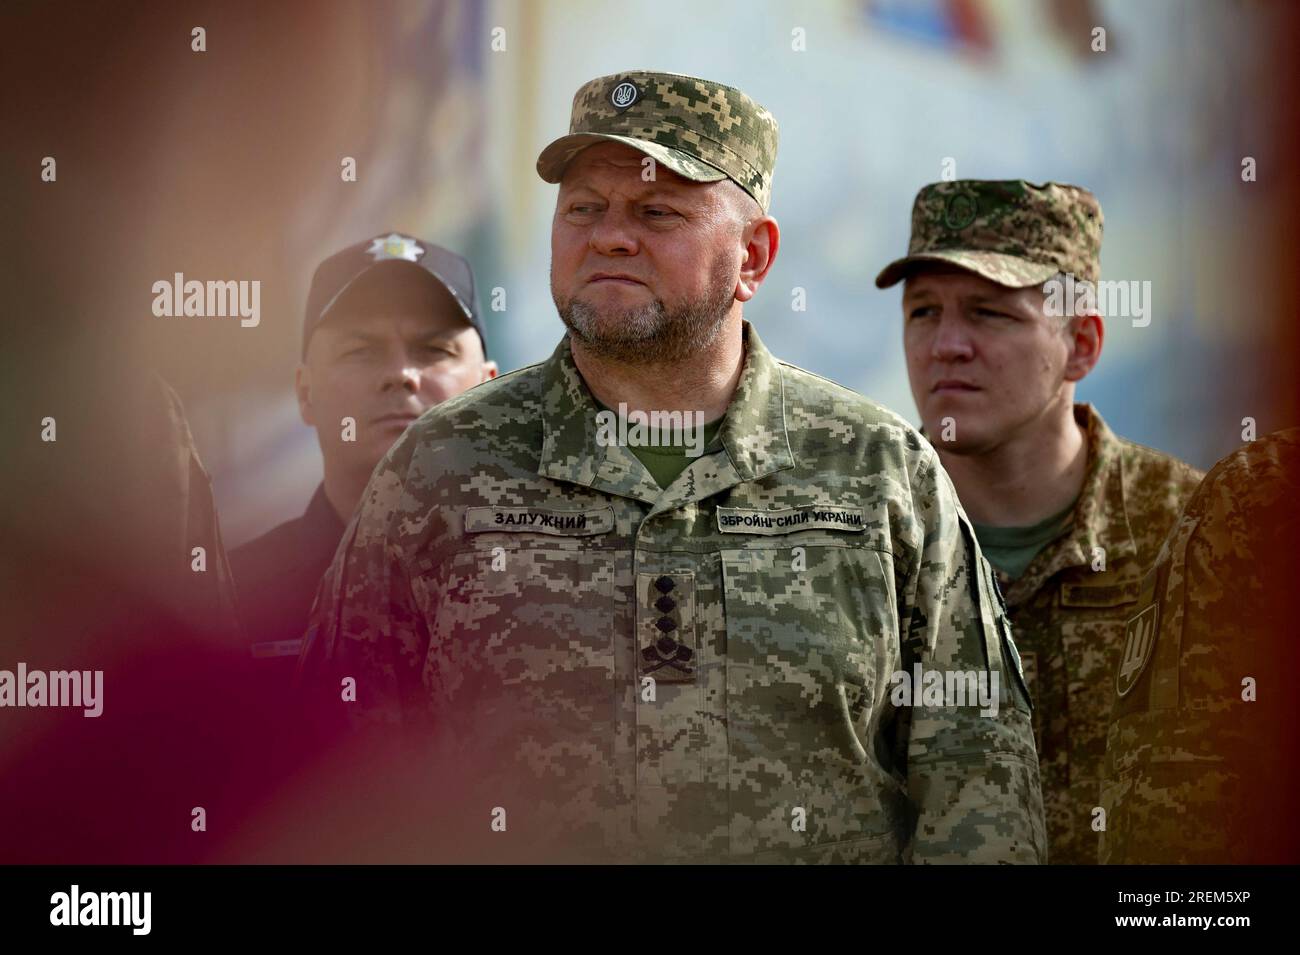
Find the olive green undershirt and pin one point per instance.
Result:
(666, 461)
(1011, 549)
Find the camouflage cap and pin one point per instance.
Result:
(700, 130)
(1009, 231)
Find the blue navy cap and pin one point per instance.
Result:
(340, 271)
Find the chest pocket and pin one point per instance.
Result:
(520, 666)
(811, 632)
(1092, 620)
(1075, 673)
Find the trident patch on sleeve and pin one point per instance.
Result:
(1140, 635)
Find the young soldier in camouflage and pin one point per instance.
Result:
(688, 662)
(1201, 756)
(1068, 513)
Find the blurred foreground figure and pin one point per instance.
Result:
(1201, 755)
(114, 569)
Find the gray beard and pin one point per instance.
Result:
(651, 334)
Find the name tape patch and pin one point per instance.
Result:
(1097, 595)
(539, 520)
(787, 520)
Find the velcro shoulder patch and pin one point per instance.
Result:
(1140, 635)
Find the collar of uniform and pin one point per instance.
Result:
(1100, 516)
(570, 451)
(319, 527)
(753, 432)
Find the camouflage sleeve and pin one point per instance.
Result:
(1200, 722)
(971, 764)
(365, 626)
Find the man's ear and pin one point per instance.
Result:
(1085, 335)
(302, 388)
(489, 372)
(762, 239)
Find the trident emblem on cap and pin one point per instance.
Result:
(624, 95)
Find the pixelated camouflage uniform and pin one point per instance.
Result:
(508, 583)
(1193, 772)
(1068, 619)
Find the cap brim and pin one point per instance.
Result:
(1008, 270)
(429, 274)
(555, 158)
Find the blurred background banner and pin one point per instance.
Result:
(226, 164)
